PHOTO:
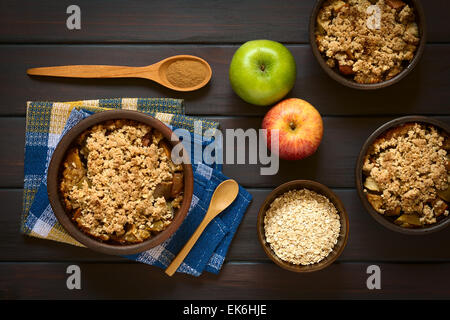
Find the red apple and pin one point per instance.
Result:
(300, 128)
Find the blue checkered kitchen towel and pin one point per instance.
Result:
(210, 250)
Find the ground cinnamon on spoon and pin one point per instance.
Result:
(186, 73)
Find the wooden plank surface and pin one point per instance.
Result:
(415, 94)
(137, 33)
(333, 164)
(368, 241)
(178, 21)
(235, 281)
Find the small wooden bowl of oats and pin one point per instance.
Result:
(403, 175)
(302, 226)
(114, 186)
(368, 44)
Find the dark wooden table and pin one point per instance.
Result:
(34, 33)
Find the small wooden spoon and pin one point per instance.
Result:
(222, 197)
(156, 72)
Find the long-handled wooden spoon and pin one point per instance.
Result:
(156, 72)
(222, 197)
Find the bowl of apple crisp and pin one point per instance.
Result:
(367, 44)
(403, 175)
(114, 185)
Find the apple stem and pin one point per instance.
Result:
(262, 67)
(292, 125)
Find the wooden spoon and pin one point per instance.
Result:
(222, 197)
(156, 72)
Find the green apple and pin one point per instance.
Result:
(262, 72)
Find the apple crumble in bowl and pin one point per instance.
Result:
(403, 174)
(367, 44)
(113, 185)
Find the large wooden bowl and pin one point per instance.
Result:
(320, 189)
(53, 179)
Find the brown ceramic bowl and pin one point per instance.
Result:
(53, 179)
(420, 19)
(388, 221)
(320, 189)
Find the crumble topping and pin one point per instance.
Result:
(302, 226)
(365, 53)
(406, 170)
(120, 182)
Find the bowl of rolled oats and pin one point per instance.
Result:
(114, 185)
(403, 175)
(367, 44)
(302, 226)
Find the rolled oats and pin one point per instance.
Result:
(302, 226)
